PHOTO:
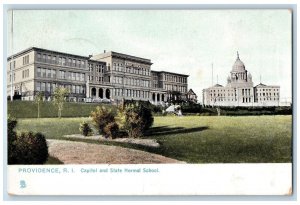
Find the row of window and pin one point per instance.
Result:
(50, 87)
(130, 81)
(12, 65)
(25, 59)
(245, 100)
(274, 89)
(268, 99)
(131, 93)
(98, 68)
(175, 88)
(177, 79)
(129, 69)
(25, 73)
(97, 79)
(51, 73)
(245, 91)
(14, 76)
(268, 94)
(222, 95)
(53, 59)
(46, 73)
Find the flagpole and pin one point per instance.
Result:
(12, 58)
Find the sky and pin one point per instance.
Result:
(182, 41)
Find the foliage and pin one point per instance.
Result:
(85, 129)
(31, 148)
(111, 130)
(27, 147)
(38, 99)
(138, 119)
(59, 98)
(11, 138)
(102, 117)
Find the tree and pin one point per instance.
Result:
(59, 98)
(102, 116)
(38, 99)
(138, 119)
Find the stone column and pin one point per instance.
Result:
(104, 93)
(87, 89)
(97, 92)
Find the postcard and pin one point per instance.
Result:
(149, 102)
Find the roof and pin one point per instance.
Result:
(121, 55)
(238, 65)
(260, 85)
(218, 85)
(191, 92)
(42, 49)
(170, 73)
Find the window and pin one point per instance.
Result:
(43, 72)
(39, 56)
(48, 73)
(25, 60)
(53, 73)
(64, 61)
(62, 74)
(38, 86)
(38, 72)
(43, 86)
(48, 88)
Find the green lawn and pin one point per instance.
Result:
(199, 139)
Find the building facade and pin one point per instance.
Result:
(106, 77)
(239, 90)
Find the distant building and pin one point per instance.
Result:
(109, 77)
(239, 90)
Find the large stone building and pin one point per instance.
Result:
(239, 90)
(107, 77)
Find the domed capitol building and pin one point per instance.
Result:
(239, 90)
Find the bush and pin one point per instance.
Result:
(11, 138)
(31, 148)
(102, 117)
(138, 119)
(85, 129)
(111, 130)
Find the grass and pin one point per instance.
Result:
(198, 139)
(28, 109)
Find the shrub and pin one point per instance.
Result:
(85, 129)
(11, 138)
(138, 119)
(102, 117)
(31, 148)
(111, 130)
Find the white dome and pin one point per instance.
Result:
(238, 65)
